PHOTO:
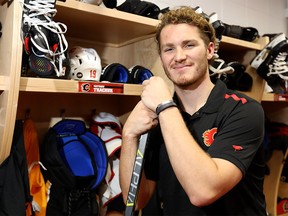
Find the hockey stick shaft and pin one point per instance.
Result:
(136, 176)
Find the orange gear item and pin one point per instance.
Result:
(38, 188)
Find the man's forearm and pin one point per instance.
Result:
(128, 153)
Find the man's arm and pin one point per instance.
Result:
(146, 187)
(139, 122)
(204, 179)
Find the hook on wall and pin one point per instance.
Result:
(93, 112)
(0, 29)
(62, 113)
(27, 113)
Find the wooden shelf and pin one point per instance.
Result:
(120, 28)
(116, 28)
(104, 25)
(3, 81)
(31, 84)
(236, 44)
(115, 32)
(275, 97)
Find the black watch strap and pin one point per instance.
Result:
(164, 105)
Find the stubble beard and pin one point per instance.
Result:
(183, 81)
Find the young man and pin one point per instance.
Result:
(205, 142)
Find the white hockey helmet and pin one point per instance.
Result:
(85, 64)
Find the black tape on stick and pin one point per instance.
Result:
(136, 176)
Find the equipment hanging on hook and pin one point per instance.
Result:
(0, 29)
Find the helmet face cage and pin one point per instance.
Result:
(85, 64)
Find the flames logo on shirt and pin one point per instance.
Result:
(208, 136)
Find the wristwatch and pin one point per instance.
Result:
(164, 105)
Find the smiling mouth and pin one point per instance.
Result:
(179, 67)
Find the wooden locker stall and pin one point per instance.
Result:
(117, 37)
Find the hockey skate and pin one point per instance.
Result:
(270, 51)
(44, 39)
(271, 63)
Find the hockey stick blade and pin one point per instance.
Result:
(136, 176)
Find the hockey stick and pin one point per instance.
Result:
(136, 176)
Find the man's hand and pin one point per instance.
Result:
(140, 120)
(155, 91)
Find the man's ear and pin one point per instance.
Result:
(210, 50)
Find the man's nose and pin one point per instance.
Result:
(180, 55)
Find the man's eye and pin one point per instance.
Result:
(190, 45)
(168, 49)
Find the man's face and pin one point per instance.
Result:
(184, 55)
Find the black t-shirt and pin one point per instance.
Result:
(229, 126)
